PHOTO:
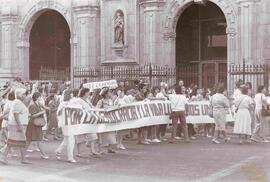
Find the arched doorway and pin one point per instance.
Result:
(49, 52)
(201, 45)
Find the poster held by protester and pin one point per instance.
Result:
(112, 84)
(135, 115)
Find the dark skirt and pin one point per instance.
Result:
(33, 133)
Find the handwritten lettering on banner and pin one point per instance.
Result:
(197, 113)
(99, 85)
(139, 114)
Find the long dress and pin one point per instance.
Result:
(242, 124)
(220, 105)
(34, 133)
(107, 138)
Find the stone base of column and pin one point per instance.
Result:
(6, 75)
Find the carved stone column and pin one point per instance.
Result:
(151, 33)
(169, 48)
(8, 58)
(245, 25)
(23, 53)
(86, 40)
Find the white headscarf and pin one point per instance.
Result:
(19, 92)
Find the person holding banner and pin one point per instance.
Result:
(120, 100)
(242, 125)
(178, 106)
(162, 95)
(220, 105)
(140, 96)
(108, 138)
(90, 138)
(69, 141)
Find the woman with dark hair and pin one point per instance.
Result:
(237, 91)
(195, 95)
(252, 107)
(90, 138)
(260, 102)
(52, 117)
(108, 138)
(34, 132)
(69, 141)
(140, 96)
(178, 104)
(242, 124)
(220, 106)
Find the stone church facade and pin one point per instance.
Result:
(130, 32)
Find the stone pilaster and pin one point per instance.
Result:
(86, 38)
(169, 48)
(245, 25)
(150, 33)
(23, 53)
(8, 57)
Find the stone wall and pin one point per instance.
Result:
(149, 31)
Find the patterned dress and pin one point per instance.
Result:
(220, 106)
(107, 138)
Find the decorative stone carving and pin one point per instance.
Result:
(119, 28)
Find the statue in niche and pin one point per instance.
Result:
(119, 28)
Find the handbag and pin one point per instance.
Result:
(265, 110)
(39, 121)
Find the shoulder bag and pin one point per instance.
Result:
(39, 121)
(237, 108)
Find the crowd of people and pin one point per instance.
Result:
(30, 116)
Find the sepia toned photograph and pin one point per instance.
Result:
(135, 91)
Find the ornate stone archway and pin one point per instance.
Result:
(174, 10)
(26, 24)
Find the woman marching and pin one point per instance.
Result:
(220, 105)
(17, 123)
(242, 125)
(34, 132)
(89, 138)
(108, 138)
(69, 141)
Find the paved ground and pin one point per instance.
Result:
(198, 161)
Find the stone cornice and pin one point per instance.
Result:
(86, 8)
(11, 18)
(247, 1)
(151, 3)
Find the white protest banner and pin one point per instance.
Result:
(136, 115)
(197, 113)
(112, 84)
